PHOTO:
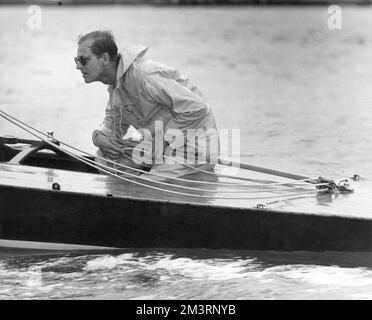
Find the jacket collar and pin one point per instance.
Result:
(127, 57)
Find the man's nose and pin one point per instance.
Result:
(78, 65)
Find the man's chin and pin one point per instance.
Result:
(90, 79)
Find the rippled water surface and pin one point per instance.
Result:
(299, 92)
(188, 274)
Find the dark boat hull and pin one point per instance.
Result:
(59, 217)
(96, 210)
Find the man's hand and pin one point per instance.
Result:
(112, 147)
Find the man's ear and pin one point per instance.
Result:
(106, 57)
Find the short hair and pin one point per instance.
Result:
(103, 41)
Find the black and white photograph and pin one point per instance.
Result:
(201, 151)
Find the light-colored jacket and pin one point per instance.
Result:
(147, 91)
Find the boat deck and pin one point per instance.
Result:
(284, 198)
(50, 197)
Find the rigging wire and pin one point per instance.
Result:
(109, 170)
(296, 182)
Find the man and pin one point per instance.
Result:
(156, 100)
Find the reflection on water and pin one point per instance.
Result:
(299, 93)
(188, 274)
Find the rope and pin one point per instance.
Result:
(103, 168)
(296, 182)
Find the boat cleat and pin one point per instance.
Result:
(344, 186)
(327, 185)
(331, 186)
(261, 206)
(51, 138)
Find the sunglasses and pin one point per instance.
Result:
(82, 60)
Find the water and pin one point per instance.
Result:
(299, 92)
(188, 274)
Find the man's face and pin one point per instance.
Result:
(89, 64)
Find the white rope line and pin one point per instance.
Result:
(89, 162)
(223, 175)
(296, 182)
(160, 189)
(189, 188)
(222, 191)
(120, 164)
(116, 164)
(247, 179)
